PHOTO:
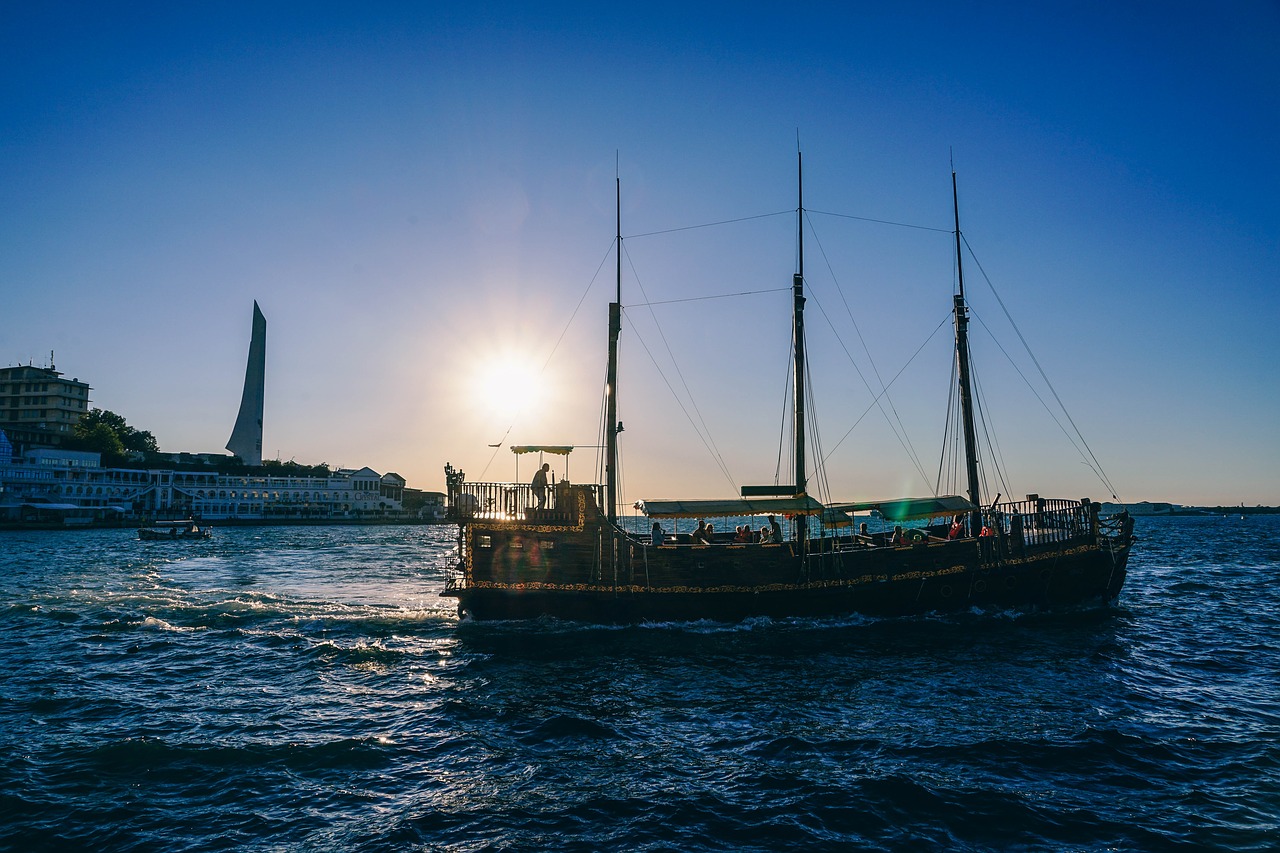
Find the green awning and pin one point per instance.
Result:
(832, 517)
(802, 505)
(905, 509)
(558, 449)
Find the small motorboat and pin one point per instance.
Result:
(172, 531)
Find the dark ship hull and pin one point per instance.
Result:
(574, 565)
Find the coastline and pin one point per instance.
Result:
(225, 522)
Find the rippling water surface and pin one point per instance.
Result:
(307, 688)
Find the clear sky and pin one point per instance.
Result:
(420, 197)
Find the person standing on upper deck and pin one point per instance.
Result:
(539, 484)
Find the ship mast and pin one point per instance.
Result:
(962, 363)
(611, 380)
(797, 311)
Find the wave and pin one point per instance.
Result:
(357, 655)
(554, 731)
(153, 624)
(154, 757)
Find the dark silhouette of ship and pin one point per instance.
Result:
(565, 554)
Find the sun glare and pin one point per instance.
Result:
(507, 387)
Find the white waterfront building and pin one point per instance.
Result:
(46, 480)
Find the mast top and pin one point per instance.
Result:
(955, 204)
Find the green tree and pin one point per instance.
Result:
(105, 432)
(277, 468)
(100, 438)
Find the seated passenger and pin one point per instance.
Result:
(897, 539)
(764, 535)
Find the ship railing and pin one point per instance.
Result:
(517, 502)
(1032, 524)
(1116, 527)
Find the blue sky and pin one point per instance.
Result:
(420, 198)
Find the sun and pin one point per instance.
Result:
(508, 386)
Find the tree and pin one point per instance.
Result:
(277, 468)
(100, 438)
(105, 432)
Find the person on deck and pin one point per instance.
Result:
(775, 530)
(656, 534)
(897, 536)
(957, 529)
(539, 484)
(764, 535)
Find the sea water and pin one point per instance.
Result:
(308, 688)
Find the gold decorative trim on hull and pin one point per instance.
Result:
(538, 586)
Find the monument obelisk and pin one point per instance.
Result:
(246, 437)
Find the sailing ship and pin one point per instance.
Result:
(525, 551)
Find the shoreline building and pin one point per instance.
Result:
(246, 436)
(39, 407)
(47, 485)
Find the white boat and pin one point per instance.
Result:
(172, 531)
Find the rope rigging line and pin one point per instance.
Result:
(708, 441)
(1096, 467)
(785, 422)
(988, 432)
(1034, 391)
(895, 378)
(881, 221)
(547, 361)
(621, 480)
(904, 438)
(705, 298)
(815, 435)
(950, 429)
(603, 437)
(708, 224)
